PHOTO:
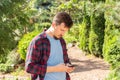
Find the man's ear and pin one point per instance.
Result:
(53, 24)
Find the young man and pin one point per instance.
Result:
(47, 56)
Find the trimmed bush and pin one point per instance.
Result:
(84, 30)
(24, 43)
(114, 74)
(96, 36)
(111, 48)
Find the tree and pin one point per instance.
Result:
(13, 20)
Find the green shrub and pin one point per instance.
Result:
(98, 0)
(96, 36)
(13, 58)
(74, 8)
(24, 42)
(114, 74)
(45, 25)
(6, 68)
(84, 34)
(69, 38)
(114, 56)
(111, 47)
(72, 35)
(84, 30)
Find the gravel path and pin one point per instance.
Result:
(89, 67)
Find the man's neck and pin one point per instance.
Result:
(50, 31)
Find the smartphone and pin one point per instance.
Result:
(72, 65)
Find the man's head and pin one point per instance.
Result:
(63, 17)
(62, 22)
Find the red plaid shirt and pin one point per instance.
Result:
(37, 55)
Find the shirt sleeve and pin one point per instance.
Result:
(33, 58)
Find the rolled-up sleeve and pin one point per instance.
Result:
(33, 59)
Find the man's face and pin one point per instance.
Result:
(60, 30)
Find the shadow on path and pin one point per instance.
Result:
(87, 65)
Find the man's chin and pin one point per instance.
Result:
(57, 37)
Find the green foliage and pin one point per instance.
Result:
(74, 8)
(98, 0)
(42, 18)
(13, 58)
(70, 36)
(114, 74)
(111, 47)
(45, 25)
(41, 15)
(12, 19)
(6, 68)
(24, 42)
(108, 1)
(96, 36)
(84, 30)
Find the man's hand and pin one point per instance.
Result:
(60, 68)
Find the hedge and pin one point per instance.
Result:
(111, 48)
(24, 43)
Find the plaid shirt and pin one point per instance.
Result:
(37, 55)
